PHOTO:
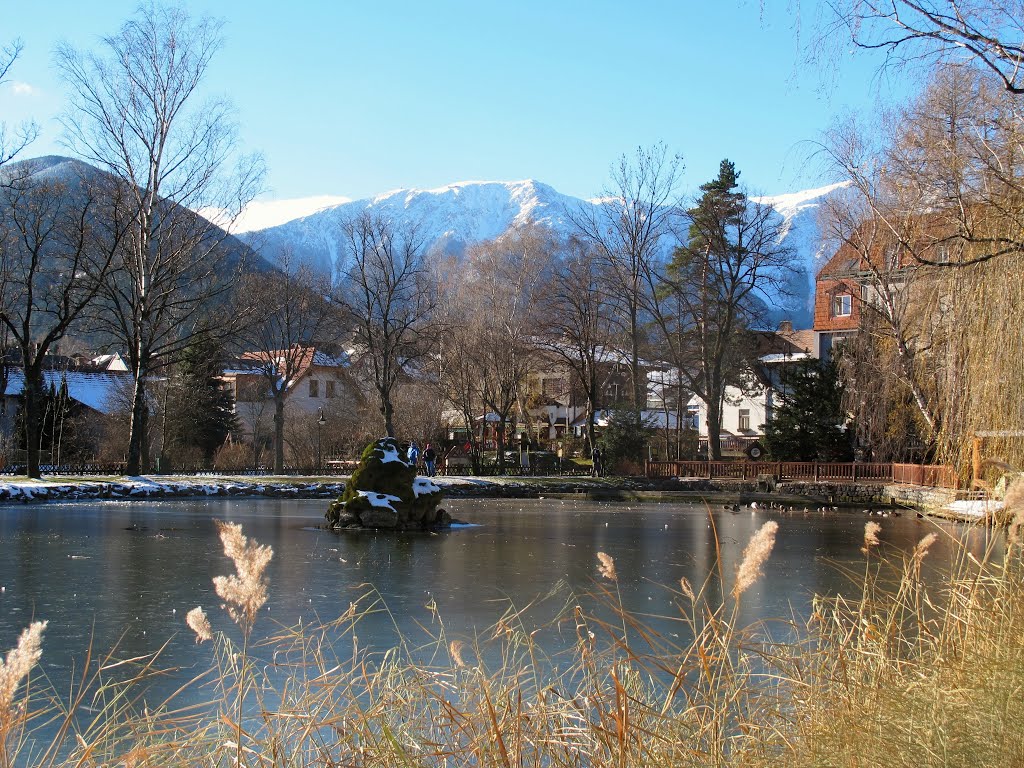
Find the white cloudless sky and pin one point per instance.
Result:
(357, 98)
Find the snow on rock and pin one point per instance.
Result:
(424, 485)
(382, 500)
(387, 453)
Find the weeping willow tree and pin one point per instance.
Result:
(934, 223)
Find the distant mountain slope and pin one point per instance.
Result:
(459, 214)
(802, 232)
(74, 173)
(452, 216)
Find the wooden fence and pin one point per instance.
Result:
(814, 471)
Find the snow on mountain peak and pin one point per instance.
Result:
(263, 214)
(456, 215)
(789, 205)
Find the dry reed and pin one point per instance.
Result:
(922, 669)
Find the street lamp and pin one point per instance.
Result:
(320, 421)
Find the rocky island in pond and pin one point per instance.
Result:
(384, 492)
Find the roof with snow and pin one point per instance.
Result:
(93, 390)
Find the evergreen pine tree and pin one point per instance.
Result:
(809, 422)
(199, 411)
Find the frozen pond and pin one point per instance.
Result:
(131, 570)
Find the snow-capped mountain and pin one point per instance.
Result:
(801, 231)
(452, 217)
(460, 214)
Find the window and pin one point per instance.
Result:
(842, 305)
(314, 388)
(744, 420)
(329, 390)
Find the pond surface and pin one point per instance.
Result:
(101, 572)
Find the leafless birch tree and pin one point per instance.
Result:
(134, 112)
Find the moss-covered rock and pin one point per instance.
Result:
(384, 492)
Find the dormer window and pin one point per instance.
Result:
(842, 305)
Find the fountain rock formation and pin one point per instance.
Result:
(384, 492)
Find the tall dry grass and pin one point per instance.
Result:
(923, 667)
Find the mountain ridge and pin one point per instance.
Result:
(456, 215)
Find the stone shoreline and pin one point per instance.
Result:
(931, 501)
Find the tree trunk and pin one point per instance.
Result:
(137, 425)
(33, 396)
(714, 428)
(501, 446)
(279, 433)
(387, 410)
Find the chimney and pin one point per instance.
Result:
(786, 326)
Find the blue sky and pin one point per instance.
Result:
(359, 98)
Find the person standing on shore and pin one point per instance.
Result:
(414, 453)
(429, 459)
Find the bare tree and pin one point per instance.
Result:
(716, 289)
(629, 230)
(55, 253)
(986, 33)
(502, 279)
(579, 324)
(12, 144)
(134, 113)
(10, 147)
(458, 343)
(387, 300)
(293, 317)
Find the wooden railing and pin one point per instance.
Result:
(814, 471)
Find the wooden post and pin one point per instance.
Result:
(975, 461)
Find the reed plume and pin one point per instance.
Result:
(200, 624)
(607, 566)
(244, 592)
(754, 557)
(871, 531)
(922, 547)
(1013, 504)
(19, 663)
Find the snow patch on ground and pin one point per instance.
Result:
(976, 509)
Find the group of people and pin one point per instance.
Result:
(429, 458)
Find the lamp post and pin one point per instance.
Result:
(320, 421)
